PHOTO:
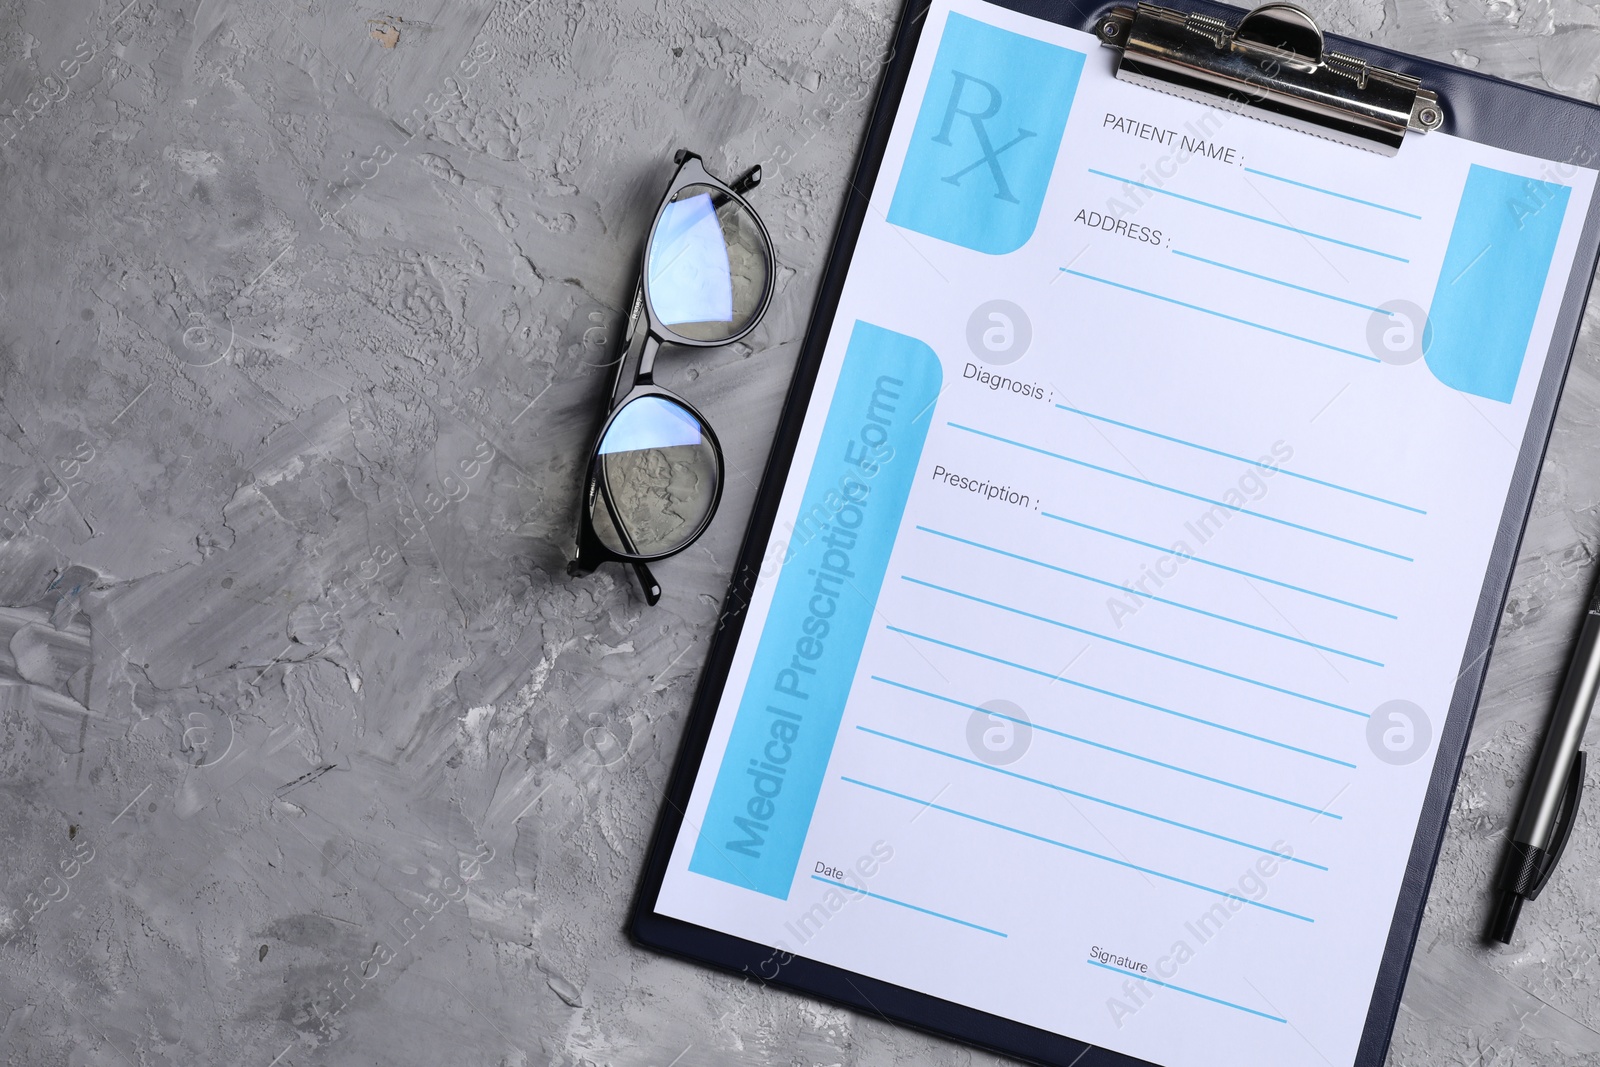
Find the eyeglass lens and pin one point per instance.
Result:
(709, 265)
(661, 472)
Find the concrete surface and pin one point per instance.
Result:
(311, 752)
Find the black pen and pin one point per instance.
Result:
(1551, 806)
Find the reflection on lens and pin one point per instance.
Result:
(660, 473)
(709, 265)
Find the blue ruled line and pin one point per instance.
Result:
(1137, 648)
(1223, 315)
(1330, 192)
(1106, 747)
(1136, 701)
(1180, 989)
(1252, 218)
(1074, 848)
(912, 907)
(1241, 459)
(1083, 796)
(1218, 566)
(1280, 281)
(1149, 596)
(1179, 492)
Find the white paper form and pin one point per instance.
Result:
(1132, 543)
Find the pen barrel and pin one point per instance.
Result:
(1563, 738)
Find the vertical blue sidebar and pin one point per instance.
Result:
(788, 717)
(1493, 277)
(986, 138)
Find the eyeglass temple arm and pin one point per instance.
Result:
(647, 580)
(747, 181)
(741, 185)
(589, 558)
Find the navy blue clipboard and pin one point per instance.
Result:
(1477, 107)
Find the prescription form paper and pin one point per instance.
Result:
(1121, 582)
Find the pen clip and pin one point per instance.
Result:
(1571, 797)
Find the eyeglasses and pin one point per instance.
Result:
(655, 473)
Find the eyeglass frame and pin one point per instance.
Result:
(639, 350)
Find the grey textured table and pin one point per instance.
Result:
(311, 752)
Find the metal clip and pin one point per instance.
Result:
(1273, 66)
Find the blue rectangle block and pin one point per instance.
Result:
(1493, 277)
(986, 138)
(789, 713)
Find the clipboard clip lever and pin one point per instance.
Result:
(1272, 65)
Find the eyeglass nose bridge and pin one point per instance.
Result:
(641, 357)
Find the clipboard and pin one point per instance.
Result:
(1368, 98)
